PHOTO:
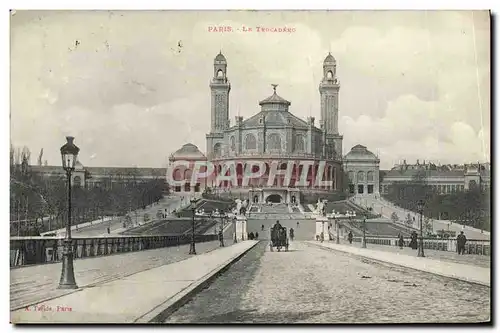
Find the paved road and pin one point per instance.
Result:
(311, 285)
(32, 284)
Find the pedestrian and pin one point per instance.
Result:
(349, 237)
(401, 241)
(221, 238)
(461, 240)
(413, 242)
(256, 235)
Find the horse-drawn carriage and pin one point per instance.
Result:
(279, 237)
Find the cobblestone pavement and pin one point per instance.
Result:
(469, 259)
(29, 285)
(311, 285)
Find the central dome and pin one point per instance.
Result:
(275, 99)
(188, 151)
(360, 152)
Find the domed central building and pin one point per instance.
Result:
(275, 135)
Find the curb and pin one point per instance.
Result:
(480, 283)
(167, 308)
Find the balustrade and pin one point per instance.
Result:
(41, 250)
(473, 246)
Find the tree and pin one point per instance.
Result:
(34, 196)
(40, 156)
(12, 160)
(470, 208)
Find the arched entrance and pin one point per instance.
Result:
(255, 199)
(274, 198)
(293, 199)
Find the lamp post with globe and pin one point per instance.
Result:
(69, 154)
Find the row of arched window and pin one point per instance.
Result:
(273, 142)
(360, 176)
(186, 173)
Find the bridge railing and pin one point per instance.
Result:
(473, 246)
(41, 250)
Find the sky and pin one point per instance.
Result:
(133, 86)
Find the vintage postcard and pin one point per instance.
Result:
(221, 167)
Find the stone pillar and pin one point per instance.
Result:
(322, 226)
(241, 228)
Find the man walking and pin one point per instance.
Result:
(221, 238)
(401, 241)
(461, 240)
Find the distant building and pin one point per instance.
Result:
(105, 177)
(191, 154)
(273, 134)
(362, 168)
(443, 178)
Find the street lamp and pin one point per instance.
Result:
(235, 238)
(420, 208)
(221, 233)
(69, 153)
(363, 245)
(192, 248)
(322, 231)
(338, 230)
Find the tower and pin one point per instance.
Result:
(219, 119)
(220, 88)
(329, 94)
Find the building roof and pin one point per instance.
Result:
(360, 152)
(329, 58)
(119, 171)
(274, 99)
(188, 151)
(275, 118)
(79, 165)
(220, 57)
(428, 173)
(47, 169)
(106, 171)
